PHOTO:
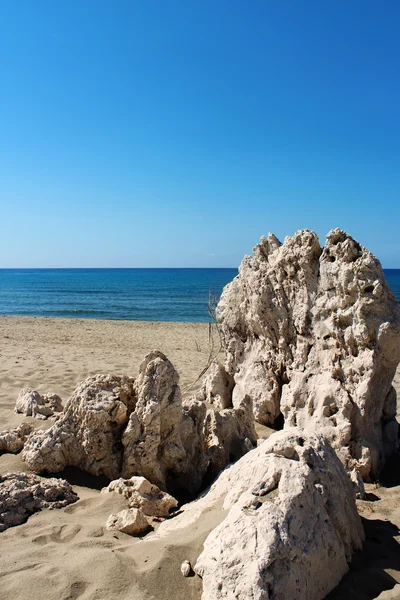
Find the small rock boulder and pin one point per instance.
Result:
(54, 402)
(131, 521)
(33, 404)
(88, 433)
(186, 568)
(140, 493)
(13, 440)
(21, 495)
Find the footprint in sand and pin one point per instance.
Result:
(96, 533)
(61, 535)
(76, 590)
(72, 508)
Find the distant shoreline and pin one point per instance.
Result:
(139, 322)
(164, 295)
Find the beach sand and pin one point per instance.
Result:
(68, 554)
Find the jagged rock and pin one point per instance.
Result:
(358, 484)
(33, 404)
(292, 524)
(114, 426)
(21, 495)
(163, 440)
(217, 386)
(186, 568)
(130, 520)
(142, 494)
(313, 334)
(54, 401)
(13, 440)
(88, 434)
(228, 435)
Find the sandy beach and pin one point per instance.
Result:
(68, 554)
(48, 557)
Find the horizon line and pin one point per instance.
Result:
(130, 268)
(108, 268)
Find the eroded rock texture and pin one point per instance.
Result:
(88, 435)
(292, 524)
(228, 435)
(130, 520)
(142, 494)
(217, 386)
(313, 334)
(21, 495)
(163, 440)
(13, 440)
(113, 426)
(33, 404)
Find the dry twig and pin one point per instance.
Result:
(213, 327)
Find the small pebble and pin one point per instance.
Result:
(186, 568)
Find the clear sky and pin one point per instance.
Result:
(176, 133)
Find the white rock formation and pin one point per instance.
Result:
(291, 524)
(217, 386)
(163, 440)
(88, 434)
(113, 426)
(54, 401)
(13, 440)
(21, 495)
(33, 404)
(358, 484)
(130, 520)
(142, 494)
(228, 435)
(313, 334)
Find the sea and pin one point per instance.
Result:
(125, 294)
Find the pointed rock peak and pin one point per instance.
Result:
(156, 364)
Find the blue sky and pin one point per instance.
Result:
(176, 133)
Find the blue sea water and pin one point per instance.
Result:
(128, 294)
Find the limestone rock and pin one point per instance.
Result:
(13, 440)
(131, 521)
(312, 335)
(113, 426)
(21, 495)
(292, 524)
(163, 440)
(186, 568)
(228, 435)
(217, 386)
(33, 404)
(88, 434)
(142, 494)
(358, 484)
(54, 401)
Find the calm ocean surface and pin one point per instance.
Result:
(129, 294)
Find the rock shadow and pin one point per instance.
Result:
(390, 475)
(367, 577)
(76, 476)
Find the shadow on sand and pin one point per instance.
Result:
(367, 577)
(390, 476)
(75, 476)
